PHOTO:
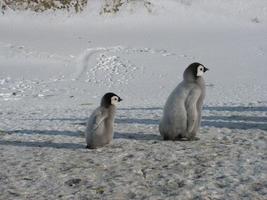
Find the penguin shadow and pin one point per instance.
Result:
(42, 144)
(243, 122)
(137, 121)
(46, 132)
(137, 136)
(219, 121)
(75, 121)
(236, 108)
(140, 108)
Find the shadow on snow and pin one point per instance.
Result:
(231, 122)
(47, 132)
(42, 144)
(137, 121)
(212, 108)
(137, 136)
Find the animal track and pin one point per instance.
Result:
(111, 70)
(20, 51)
(110, 67)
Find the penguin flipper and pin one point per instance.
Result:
(98, 119)
(191, 108)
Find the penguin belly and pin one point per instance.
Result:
(96, 138)
(173, 125)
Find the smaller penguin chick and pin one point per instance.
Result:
(99, 130)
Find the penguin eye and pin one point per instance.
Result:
(200, 70)
(115, 98)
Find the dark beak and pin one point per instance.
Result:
(206, 69)
(120, 99)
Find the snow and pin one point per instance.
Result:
(55, 67)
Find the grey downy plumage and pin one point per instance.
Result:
(182, 112)
(99, 130)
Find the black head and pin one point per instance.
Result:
(194, 70)
(110, 99)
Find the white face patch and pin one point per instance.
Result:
(200, 70)
(114, 100)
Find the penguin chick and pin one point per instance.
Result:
(182, 111)
(99, 130)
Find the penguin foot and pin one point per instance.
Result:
(180, 138)
(165, 137)
(193, 139)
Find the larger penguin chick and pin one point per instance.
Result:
(182, 111)
(99, 130)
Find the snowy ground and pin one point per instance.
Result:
(54, 70)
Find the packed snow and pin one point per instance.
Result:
(56, 66)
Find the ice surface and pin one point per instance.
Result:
(55, 67)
